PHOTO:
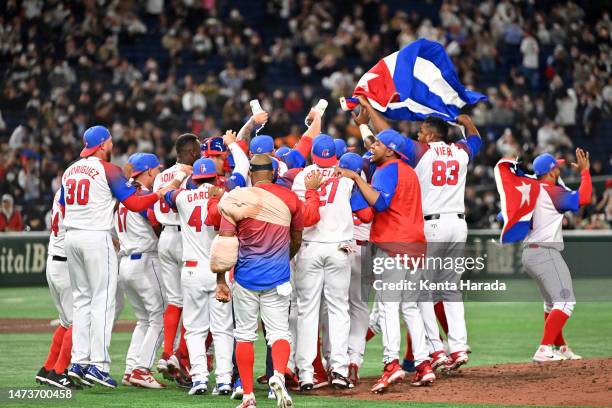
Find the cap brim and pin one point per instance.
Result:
(203, 176)
(560, 162)
(208, 153)
(88, 151)
(325, 162)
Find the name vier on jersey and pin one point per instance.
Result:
(86, 170)
(197, 195)
(443, 151)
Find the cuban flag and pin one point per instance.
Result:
(518, 193)
(415, 82)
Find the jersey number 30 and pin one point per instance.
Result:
(78, 190)
(445, 173)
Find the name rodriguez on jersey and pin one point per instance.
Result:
(427, 285)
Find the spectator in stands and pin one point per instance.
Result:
(10, 217)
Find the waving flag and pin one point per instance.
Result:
(518, 195)
(415, 82)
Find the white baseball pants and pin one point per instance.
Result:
(92, 263)
(58, 279)
(202, 313)
(170, 252)
(358, 309)
(322, 268)
(140, 277)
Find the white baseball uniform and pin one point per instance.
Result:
(170, 247)
(323, 268)
(201, 311)
(140, 278)
(90, 188)
(58, 276)
(442, 171)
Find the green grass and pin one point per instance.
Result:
(498, 333)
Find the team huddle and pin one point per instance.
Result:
(238, 231)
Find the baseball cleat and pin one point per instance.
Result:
(408, 366)
(271, 394)
(248, 402)
(456, 360)
(353, 373)
(199, 388)
(125, 380)
(424, 375)
(277, 385)
(262, 379)
(100, 377)
(391, 374)
(182, 382)
(546, 353)
(439, 359)
(41, 376)
(145, 379)
(291, 380)
(340, 382)
(567, 352)
(306, 386)
(61, 381)
(237, 391)
(222, 389)
(77, 372)
(162, 366)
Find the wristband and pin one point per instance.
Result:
(365, 131)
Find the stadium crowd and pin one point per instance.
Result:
(151, 70)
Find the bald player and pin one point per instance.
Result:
(260, 232)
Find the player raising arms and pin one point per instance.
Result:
(140, 275)
(90, 188)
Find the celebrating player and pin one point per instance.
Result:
(140, 275)
(542, 250)
(90, 188)
(53, 372)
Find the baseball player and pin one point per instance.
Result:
(542, 250)
(323, 266)
(170, 253)
(90, 188)
(202, 313)
(261, 230)
(396, 197)
(53, 372)
(140, 276)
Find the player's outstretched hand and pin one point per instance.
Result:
(464, 119)
(215, 192)
(127, 170)
(314, 113)
(261, 117)
(340, 172)
(313, 180)
(223, 293)
(229, 137)
(582, 160)
(363, 101)
(185, 168)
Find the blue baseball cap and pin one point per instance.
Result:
(142, 162)
(281, 151)
(262, 144)
(93, 138)
(340, 147)
(544, 163)
(293, 159)
(324, 151)
(393, 140)
(351, 161)
(213, 146)
(204, 168)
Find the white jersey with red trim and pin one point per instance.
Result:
(442, 170)
(192, 210)
(134, 230)
(164, 213)
(336, 214)
(58, 231)
(90, 188)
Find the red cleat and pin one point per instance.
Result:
(353, 373)
(424, 374)
(392, 373)
(439, 359)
